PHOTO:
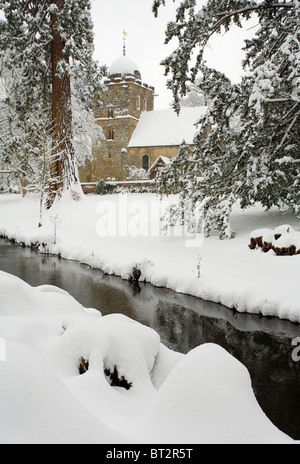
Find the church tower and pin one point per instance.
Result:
(125, 99)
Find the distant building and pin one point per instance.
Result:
(159, 134)
(135, 134)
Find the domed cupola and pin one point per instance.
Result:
(123, 67)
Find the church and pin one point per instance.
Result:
(135, 135)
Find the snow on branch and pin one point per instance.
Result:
(254, 7)
(227, 15)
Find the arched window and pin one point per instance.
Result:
(110, 113)
(138, 102)
(146, 162)
(111, 134)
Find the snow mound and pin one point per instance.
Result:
(283, 240)
(37, 408)
(19, 298)
(208, 395)
(113, 343)
(71, 377)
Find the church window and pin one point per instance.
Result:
(110, 113)
(138, 102)
(146, 162)
(111, 134)
(145, 103)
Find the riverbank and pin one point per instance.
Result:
(120, 233)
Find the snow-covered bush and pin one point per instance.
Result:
(101, 187)
(137, 174)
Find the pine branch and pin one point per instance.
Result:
(226, 15)
(288, 131)
(251, 8)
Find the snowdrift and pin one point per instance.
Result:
(202, 397)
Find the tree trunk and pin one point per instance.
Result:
(63, 166)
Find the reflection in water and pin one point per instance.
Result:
(263, 345)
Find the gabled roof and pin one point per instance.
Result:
(165, 128)
(164, 159)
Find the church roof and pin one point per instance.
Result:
(124, 66)
(165, 128)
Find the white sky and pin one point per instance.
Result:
(146, 37)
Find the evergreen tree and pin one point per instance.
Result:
(252, 150)
(48, 43)
(195, 96)
(86, 133)
(21, 150)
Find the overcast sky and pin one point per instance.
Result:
(145, 41)
(146, 37)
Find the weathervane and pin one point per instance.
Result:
(124, 42)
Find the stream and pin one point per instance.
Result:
(263, 345)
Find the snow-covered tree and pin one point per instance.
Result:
(248, 144)
(25, 144)
(49, 43)
(86, 133)
(22, 139)
(195, 96)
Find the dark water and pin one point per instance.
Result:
(263, 345)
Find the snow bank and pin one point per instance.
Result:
(45, 300)
(202, 397)
(225, 272)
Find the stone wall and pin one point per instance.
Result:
(126, 97)
(110, 158)
(118, 115)
(119, 187)
(136, 154)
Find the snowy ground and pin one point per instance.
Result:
(120, 232)
(202, 397)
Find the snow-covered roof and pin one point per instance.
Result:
(165, 128)
(164, 159)
(124, 66)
